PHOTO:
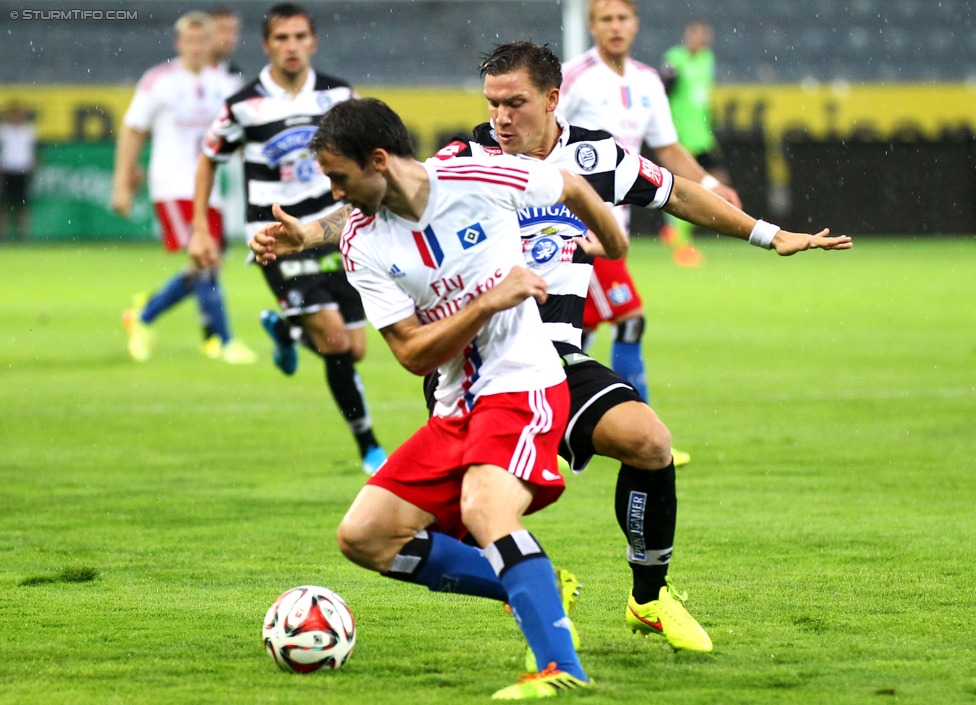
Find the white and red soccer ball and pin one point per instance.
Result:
(309, 628)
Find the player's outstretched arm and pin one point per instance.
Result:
(787, 243)
(689, 201)
(288, 235)
(285, 237)
(587, 205)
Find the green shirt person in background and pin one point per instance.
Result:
(689, 77)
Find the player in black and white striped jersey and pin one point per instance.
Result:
(271, 120)
(608, 416)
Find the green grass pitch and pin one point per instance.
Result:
(149, 514)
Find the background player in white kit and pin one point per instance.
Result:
(270, 121)
(606, 89)
(175, 102)
(434, 250)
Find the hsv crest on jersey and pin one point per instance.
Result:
(620, 294)
(471, 236)
(586, 157)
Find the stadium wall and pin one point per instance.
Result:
(762, 118)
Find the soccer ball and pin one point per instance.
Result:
(309, 628)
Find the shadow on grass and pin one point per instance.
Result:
(83, 574)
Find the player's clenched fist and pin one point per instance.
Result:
(518, 285)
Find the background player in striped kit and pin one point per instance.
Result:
(608, 417)
(176, 101)
(272, 119)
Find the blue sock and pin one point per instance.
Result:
(210, 300)
(627, 360)
(527, 574)
(168, 295)
(444, 564)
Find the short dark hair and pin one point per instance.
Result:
(354, 128)
(283, 11)
(544, 68)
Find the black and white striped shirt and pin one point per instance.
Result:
(274, 129)
(616, 175)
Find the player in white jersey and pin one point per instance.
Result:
(175, 102)
(434, 249)
(607, 416)
(606, 89)
(271, 121)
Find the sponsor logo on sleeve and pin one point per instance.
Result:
(449, 151)
(651, 172)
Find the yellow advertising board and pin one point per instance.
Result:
(71, 113)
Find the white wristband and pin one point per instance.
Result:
(709, 182)
(762, 234)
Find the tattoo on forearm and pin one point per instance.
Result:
(333, 223)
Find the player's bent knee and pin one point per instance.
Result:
(366, 546)
(492, 502)
(633, 434)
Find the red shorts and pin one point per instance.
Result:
(176, 222)
(612, 293)
(518, 431)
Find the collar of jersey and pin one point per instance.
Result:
(276, 91)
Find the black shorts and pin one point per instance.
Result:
(13, 189)
(313, 280)
(594, 389)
